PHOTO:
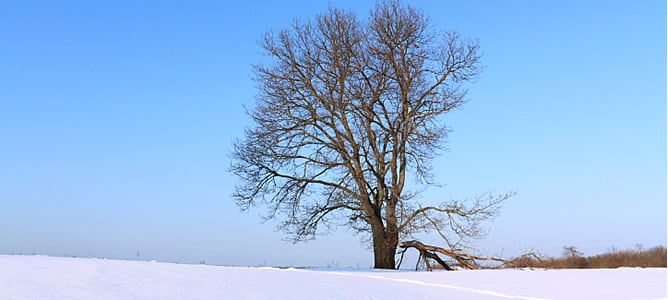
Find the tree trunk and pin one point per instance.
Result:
(384, 249)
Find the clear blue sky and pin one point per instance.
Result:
(116, 120)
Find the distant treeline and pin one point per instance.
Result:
(573, 259)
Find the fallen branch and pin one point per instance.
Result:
(467, 261)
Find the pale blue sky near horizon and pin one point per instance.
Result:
(117, 118)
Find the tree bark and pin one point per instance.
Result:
(384, 249)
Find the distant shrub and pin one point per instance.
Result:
(653, 257)
(614, 258)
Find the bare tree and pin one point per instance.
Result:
(348, 110)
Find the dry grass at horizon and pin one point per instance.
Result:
(573, 259)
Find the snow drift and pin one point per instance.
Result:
(41, 277)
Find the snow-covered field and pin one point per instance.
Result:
(42, 277)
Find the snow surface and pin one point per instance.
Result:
(42, 277)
